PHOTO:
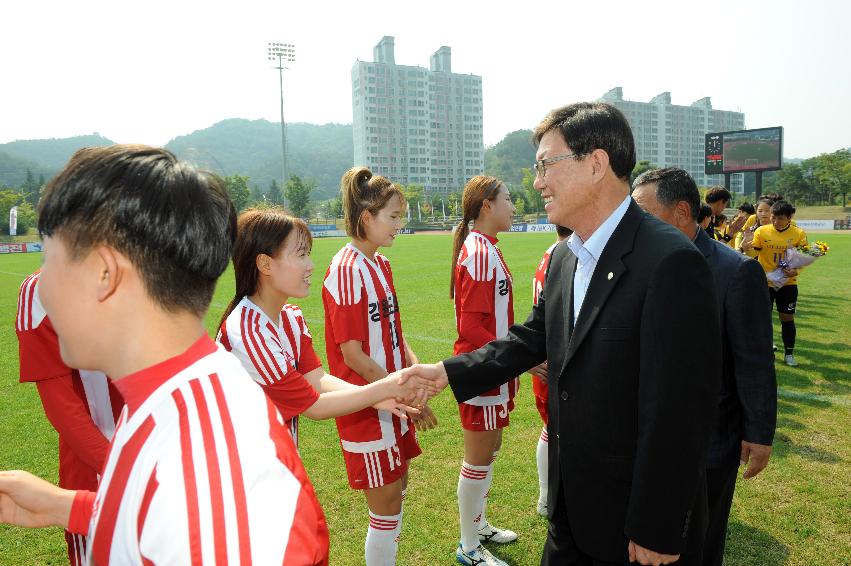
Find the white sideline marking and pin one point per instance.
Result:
(13, 273)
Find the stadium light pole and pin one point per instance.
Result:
(281, 54)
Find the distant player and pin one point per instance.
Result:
(771, 242)
(81, 405)
(201, 469)
(482, 287)
(364, 342)
(270, 337)
(539, 379)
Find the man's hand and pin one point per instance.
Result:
(28, 501)
(638, 553)
(755, 456)
(540, 371)
(431, 377)
(426, 419)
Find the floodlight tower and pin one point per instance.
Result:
(281, 54)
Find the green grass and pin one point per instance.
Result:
(798, 512)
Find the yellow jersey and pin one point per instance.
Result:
(771, 245)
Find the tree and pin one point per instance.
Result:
(507, 159)
(237, 187)
(26, 214)
(832, 172)
(257, 196)
(335, 207)
(520, 205)
(453, 203)
(533, 195)
(792, 185)
(297, 192)
(274, 196)
(641, 167)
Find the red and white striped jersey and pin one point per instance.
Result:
(541, 274)
(276, 354)
(483, 285)
(38, 349)
(539, 387)
(202, 470)
(360, 304)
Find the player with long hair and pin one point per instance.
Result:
(364, 342)
(481, 285)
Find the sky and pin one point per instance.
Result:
(147, 72)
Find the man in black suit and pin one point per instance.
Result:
(747, 407)
(626, 319)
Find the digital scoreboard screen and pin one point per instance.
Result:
(744, 150)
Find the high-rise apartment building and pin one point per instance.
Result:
(416, 125)
(669, 135)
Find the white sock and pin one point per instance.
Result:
(488, 481)
(542, 455)
(382, 539)
(471, 491)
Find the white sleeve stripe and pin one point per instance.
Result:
(275, 371)
(25, 298)
(250, 341)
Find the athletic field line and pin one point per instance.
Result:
(15, 274)
(829, 399)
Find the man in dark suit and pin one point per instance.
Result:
(747, 407)
(626, 319)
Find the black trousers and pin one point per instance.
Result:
(720, 485)
(561, 550)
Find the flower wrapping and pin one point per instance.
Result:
(793, 259)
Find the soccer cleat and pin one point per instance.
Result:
(790, 360)
(542, 508)
(480, 556)
(489, 533)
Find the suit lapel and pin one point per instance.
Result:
(610, 268)
(567, 290)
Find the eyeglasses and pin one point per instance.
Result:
(541, 164)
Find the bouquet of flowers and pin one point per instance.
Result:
(795, 258)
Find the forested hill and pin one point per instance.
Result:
(41, 157)
(507, 159)
(253, 148)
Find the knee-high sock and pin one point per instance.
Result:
(488, 482)
(382, 539)
(471, 491)
(542, 457)
(787, 330)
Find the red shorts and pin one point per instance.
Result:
(485, 417)
(542, 395)
(368, 470)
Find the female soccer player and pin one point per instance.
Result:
(771, 242)
(364, 342)
(539, 380)
(761, 217)
(271, 260)
(481, 285)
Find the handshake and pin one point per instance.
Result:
(413, 387)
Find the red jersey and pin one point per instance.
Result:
(484, 305)
(538, 386)
(201, 470)
(360, 304)
(276, 354)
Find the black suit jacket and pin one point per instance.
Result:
(632, 389)
(747, 407)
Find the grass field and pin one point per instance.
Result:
(797, 512)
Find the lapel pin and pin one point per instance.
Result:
(611, 275)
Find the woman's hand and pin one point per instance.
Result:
(29, 501)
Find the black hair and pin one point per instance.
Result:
(176, 224)
(720, 219)
(586, 126)
(782, 208)
(715, 194)
(672, 186)
(747, 208)
(705, 212)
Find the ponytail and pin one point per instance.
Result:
(461, 233)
